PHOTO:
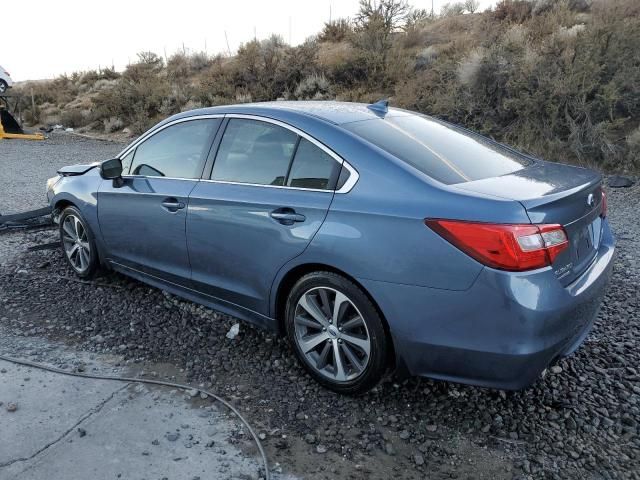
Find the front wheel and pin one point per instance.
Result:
(78, 244)
(336, 333)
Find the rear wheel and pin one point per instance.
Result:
(336, 332)
(78, 244)
(3, 86)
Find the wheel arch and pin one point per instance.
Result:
(289, 279)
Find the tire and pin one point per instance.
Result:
(78, 243)
(3, 86)
(316, 331)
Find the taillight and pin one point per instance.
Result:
(603, 211)
(504, 246)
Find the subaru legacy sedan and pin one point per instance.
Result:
(374, 238)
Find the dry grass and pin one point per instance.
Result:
(557, 78)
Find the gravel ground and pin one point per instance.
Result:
(579, 421)
(28, 164)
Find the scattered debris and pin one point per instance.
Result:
(233, 331)
(12, 407)
(619, 181)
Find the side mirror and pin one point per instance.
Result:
(111, 169)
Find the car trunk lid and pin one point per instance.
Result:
(556, 194)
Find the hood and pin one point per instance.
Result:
(73, 170)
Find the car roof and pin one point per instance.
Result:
(330, 111)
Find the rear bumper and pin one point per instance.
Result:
(503, 331)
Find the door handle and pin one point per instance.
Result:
(173, 205)
(287, 216)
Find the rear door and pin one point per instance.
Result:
(143, 220)
(267, 195)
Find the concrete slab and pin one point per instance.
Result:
(72, 428)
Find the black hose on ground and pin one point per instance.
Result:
(27, 363)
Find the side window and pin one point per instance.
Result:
(126, 162)
(256, 152)
(312, 168)
(177, 151)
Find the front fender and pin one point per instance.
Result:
(82, 192)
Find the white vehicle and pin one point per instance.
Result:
(5, 80)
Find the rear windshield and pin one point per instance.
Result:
(445, 152)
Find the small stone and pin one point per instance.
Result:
(321, 449)
(233, 331)
(12, 407)
(310, 438)
(404, 435)
(82, 432)
(556, 369)
(431, 428)
(155, 442)
(419, 459)
(172, 437)
(193, 392)
(388, 447)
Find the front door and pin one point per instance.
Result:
(268, 194)
(143, 220)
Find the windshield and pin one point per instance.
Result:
(443, 151)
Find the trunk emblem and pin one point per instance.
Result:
(590, 200)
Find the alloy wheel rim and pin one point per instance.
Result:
(332, 334)
(76, 243)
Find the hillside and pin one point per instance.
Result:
(555, 78)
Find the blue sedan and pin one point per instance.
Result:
(374, 238)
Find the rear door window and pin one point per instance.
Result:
(442, 151)
(254, 152)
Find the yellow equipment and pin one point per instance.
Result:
(9, 128)
(22, 136)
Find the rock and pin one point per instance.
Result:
(233, 331)
(321, 449)
(193, 392)
(404, 435)
(388, 448)
(310, 438)
(418, 459)
(172, 437)
(620, 181)
(12, 407)
(82, 432)
(556, 369)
